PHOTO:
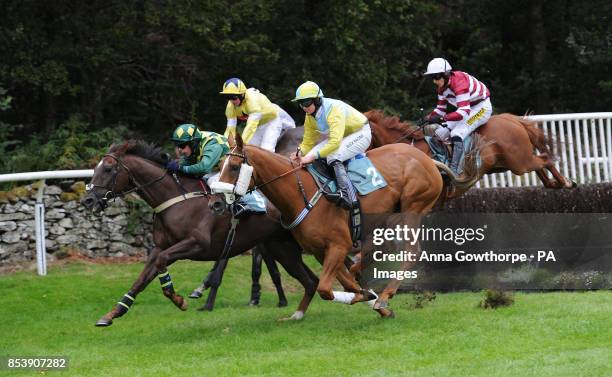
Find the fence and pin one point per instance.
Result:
(39, 207)
(583, 144)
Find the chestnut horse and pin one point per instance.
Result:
(413, 187)
(187, 229)
(511, 143)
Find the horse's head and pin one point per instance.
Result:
(235, 177)
(390, 129)
(113, 178)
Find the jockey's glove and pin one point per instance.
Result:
(173, 166)
(435, 118)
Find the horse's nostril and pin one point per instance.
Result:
(87, 203)
(217, 206)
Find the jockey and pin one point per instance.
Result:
(199, 151)
(468, 95)
(265, 120)
(346, 134)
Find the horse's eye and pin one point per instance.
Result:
(235, 168)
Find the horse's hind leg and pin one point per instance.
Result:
(145, 277)
(197, 292)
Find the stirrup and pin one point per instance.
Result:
(344, 201)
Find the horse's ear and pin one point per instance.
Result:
(239, 142)
(231, 141)
(124, 148)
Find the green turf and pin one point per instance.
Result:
(546, 334)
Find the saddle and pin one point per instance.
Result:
(443, 152)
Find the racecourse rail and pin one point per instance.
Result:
(582, 142)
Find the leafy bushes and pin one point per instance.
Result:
(72, 146)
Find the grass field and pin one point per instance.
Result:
(546, 334)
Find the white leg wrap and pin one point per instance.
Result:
(343, 297)
(297, 315)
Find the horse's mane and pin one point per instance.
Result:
(139, 148)
(274, 155)
(379, 118)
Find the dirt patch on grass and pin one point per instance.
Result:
(71, 256)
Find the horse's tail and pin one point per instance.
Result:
(537, 137)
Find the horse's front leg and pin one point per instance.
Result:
(182, 250)
(214, 282)
(334, 257)
(275, 274)
(123, 305)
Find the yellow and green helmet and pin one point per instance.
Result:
(234, 86)
(186, 133)
(307, 90)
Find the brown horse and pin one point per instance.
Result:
(187, 229)
(511, 143)
(414, 185)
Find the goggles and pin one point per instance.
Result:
(437, 76)
(304, 103)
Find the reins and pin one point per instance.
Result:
(419, 126)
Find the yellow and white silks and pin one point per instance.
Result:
(346, 131)
(265, 122)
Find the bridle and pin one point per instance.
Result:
(308, 203)
(111, 193)
(419, 127)
(244, 157)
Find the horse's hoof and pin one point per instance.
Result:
(205, 308)
(297, 316)
(103, 322)
(387, 313)
(195, 294)
(371, 295)
(282, 303)
(378, 305)
(254, 303)
(182, 304)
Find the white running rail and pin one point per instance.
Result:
(583, 146)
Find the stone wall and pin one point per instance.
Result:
(123, 229)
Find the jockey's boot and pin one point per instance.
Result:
(457, 153)
(344, 199)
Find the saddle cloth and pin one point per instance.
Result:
(361, 171)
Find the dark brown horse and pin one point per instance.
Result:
(414, 185)
(510, 144)
(186, 229)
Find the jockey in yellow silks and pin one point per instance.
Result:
(346, 133)
(265, 121)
